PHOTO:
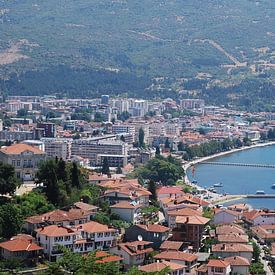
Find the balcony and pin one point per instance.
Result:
(28, 165)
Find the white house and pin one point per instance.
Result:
(239, 265)
(82, 238)
(218, 267)
(225, 216)
(127, 211)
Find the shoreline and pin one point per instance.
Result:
(216, 197)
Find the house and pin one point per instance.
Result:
(127, 211)
(259, 217)
(225, 216)
(233, 238)
(189, 230)
(265, 233)
(172, 246)
(24, 158)
(184, 212)
(224, 250)
(218, 267)
(22, 247)
(178, 257)
(82, 238)
(227, 229)
(239, 265)
(154, 233)
(169, 192)
(174, 268)
(239, 207)
(59, 217)
(132, 253)
(104, 257)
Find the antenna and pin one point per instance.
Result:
(140, 238)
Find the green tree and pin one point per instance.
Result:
(75, 176)
(10, 220)
(61, 170)
(167, 144)
(119, 170)
(181, 146)
(105, 166)
(153, 189)
(256, 252)
(22, 113)
(8, 180)
(141, 137)
(157, 151)
(122, 138)
(257, 268)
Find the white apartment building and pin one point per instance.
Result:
(138, 107)
(116, 151)
(123, 128)
(83, 238)
(192, 103)
(58, 147)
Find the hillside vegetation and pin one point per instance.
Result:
(87, 47)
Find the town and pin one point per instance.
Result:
(100, 186)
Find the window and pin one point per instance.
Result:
(18, 163)
(13, 162)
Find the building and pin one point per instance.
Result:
(190, 229)
(226, 216)
(49, 129)
(192, 103)
(83, 238)
(16, 135)
(224, 250)
(132, 253)
(174, 269)
(115, 151)
(22, 247)
(127, 211)
(105, 99)
(259, 217)
(154, 233)
(60, 148)
(239, 265)
(218, 267)
(24, 158)
(187, 259)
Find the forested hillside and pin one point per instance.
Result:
(87, 47)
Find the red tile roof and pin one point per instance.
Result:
(20, 245)
(198, 220)
(176, 255)
(19, 148)
(232, 247)
(158, 266)
(95, 227)
(55, 231)
(237, 261)
(127, 205)
(171, 245)
(154, 228)
(218, 263)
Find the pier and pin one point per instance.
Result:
(254, 165)
(261, 196)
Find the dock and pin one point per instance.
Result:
(261, 196)
(254, 165)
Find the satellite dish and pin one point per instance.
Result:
(140, 238)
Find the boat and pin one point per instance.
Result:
(260, 192)
(219, 184)
(273, 186)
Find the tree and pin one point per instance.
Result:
(10, 220)
(119, 170)
(181, 146)
(75, 175)
(157, 151)
(141, 137)
(256, 252)
(167, 144)
(122, 138)
(257, 268)
(105, 166)
(61, 170)
(153, 189)
(22, 113)
(8, 180)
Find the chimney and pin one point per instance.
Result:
(187, 220)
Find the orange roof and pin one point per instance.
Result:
(233, 238)
(126, 204)
(20, 245)
(229, 229)
(104, 257)
(232, 247)
(158, 266)
(94, 227)
(199, 220)
(19, 148)
(55, 231)
(176, 255)
(136, 247)
(185, 212)
(170, 190)
(237, 261)
(154, 228)
(171, 245)
(218, 263)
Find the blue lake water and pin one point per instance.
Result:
(241, 180)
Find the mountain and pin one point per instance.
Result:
(165, 47)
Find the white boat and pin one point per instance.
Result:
(260, 192)
(219, 184)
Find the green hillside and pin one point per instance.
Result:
(129, 45)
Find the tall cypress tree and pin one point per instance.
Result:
(105, 166)
(75, 174)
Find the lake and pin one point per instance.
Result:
(241, 180)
